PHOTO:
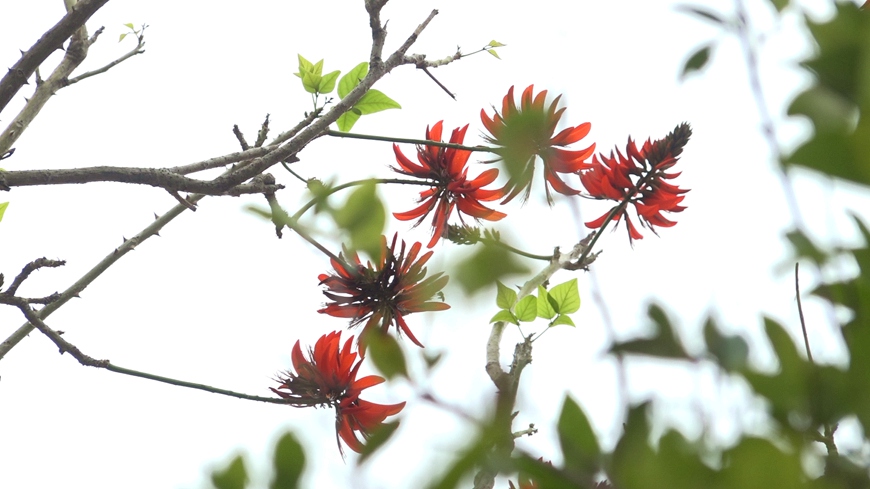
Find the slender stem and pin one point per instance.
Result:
(390, 139)
(516, 250)
(302, 210)
(797, 291)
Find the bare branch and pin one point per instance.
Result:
(133, 52)
(53, 39)
(28, 269)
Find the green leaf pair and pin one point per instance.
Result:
(372, 101)
(554, 304)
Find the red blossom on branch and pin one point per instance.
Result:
(328, 378)
(640, 178)
(524, 133)
(382, 294)
(446, 168)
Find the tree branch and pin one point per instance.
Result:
(53, 39)
(133, 52)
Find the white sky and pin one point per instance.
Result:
(218, 300)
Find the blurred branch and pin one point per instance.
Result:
(52, 40)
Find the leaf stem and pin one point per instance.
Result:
(339, 134)
(302, 210)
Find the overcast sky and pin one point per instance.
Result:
(217, 299)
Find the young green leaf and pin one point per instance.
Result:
(310, 81)
(492, 52)
(317, 69)
(495, 44)
(527, 308)
(506, 316)
(545, 307)
(347, 120)
(130, 26)
(506, 296)
(349, 81)
(123, 35)
(566, 296)
(3, 206)
(363, 216)
(305, 66)
(562, 319)
(375, 101)
(327, 83)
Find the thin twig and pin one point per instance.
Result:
(390, 139)
(133, 52)
(426, 70)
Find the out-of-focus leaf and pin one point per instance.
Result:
(432, 360)
(757, 464)
(527, 308)
(506, 316)
(386, 354)
(545, 306)
(663, 344)
(485, 266)
(730, 352)
(3, 206)
(804, 247)
(363, 216)
(567, 296)
(321, 191)
(780, 5)
(288, 462)
(350, 80)
(375, 101)
(697, 61)
(506, 297)
(377, 439)
(579, 444)
(233, 476)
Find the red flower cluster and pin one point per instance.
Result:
(446, 168)
(639, 177)
(328, 378)
(524, 133)
(382, 294)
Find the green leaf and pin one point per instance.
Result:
(579, 444)
(375, 101)
(130, 26)
(697, 61)
(805, 248)
(562, 319)
(305, 66)
(495, 44)
(327, 83)
(349, 81)
(730, 352)
(288, 462)
(664, 342)
(506, 296)
(492, 52)
(234, 476)
(566, 296)
(545, 306)
(527, 308)
(122, 36)
(506, 316)
(346, 121)
(780, 5)
(486, 265)
(310, 81)
(377, 439)
(386, 354)
(317, 69)
(363, 216)
(3, 206)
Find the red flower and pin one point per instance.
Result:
(382, 294)
(526, 132)
(450, 184)
(640, 178)
(328, 378)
